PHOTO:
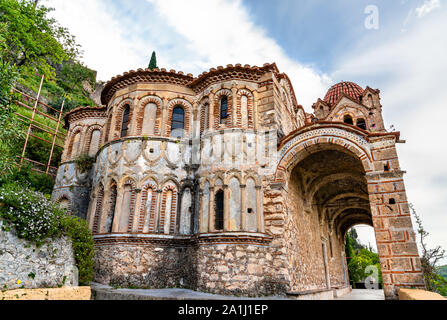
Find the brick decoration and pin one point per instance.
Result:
(188, 110)
(172, 227)
(98, 209)
(158, 118)
(150, 187)
(217, 105)
(204, 115)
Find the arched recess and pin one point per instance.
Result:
(93, 140)
(149, 116)
(168, 210)
(245, 109)
(148, 207)
(64, 202)
(126, 206)
(74, 146)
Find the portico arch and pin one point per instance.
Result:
(330, 183)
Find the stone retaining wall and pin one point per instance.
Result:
(23, 265)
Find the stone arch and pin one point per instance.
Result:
(187, 107)
(142, 112)
(245, 118)
(89, 139)
(298, 145)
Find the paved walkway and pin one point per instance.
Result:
(103, 292)
(358, 294)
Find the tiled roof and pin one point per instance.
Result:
(349, 89)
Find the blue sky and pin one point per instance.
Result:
(316, 42)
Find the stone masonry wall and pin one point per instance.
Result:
(22, 264)
(236, 269)
(145, 266)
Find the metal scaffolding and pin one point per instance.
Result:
(34, 126)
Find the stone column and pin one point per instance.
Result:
(396, 241)
(243, 207)
(259, 209)
(211, 211)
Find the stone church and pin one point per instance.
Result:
(222, 183)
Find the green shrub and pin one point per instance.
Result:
(36, 219)
(84, 162)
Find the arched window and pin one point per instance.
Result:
(219, 211)
(178, 122)
(348, 120)
(125, 122)
(361, 123)
(223, 110)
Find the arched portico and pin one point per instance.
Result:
(331, 182)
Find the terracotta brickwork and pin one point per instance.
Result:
(208, 210)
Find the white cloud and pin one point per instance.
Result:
(106, 47)
(192, 36)
(427, 7)
(411, 71)
(221, 32)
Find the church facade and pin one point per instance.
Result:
(223, 183)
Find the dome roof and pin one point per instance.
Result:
(349, 89)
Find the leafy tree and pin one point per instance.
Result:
(430, 259)
(32, 40)
(153, 63)
(73, 75)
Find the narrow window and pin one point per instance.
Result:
(223, 110)
(219, 214)
(392, 201)
(178, 122)
(125, 123)
(348, 120)
(361, 123)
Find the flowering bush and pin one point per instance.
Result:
(32, 215)
(35, 218)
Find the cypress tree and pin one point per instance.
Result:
(153, 63)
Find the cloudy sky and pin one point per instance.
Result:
(316, 42)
